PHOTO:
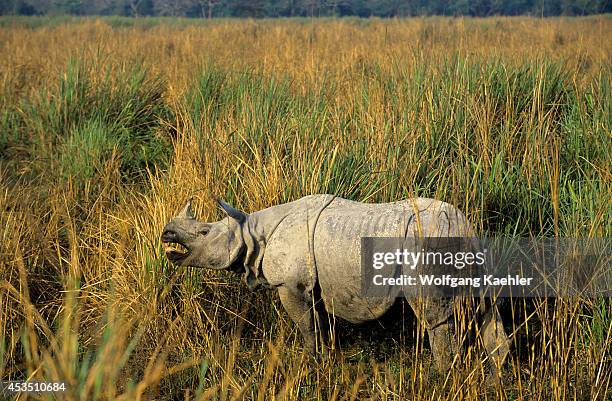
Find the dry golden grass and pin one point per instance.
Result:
(87, 297)
(303, 50)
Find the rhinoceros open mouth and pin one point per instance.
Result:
(174, 249)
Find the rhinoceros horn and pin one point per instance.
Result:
(187, 212)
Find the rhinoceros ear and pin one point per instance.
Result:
(231, 212)
(187, 212)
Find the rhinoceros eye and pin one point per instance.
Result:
(204, 231)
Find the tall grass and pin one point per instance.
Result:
(98, 152)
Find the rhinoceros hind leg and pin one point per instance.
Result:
(443, 346)
(495, 339)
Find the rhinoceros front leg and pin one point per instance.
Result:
(300, 311)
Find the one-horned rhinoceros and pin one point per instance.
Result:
(309, 250)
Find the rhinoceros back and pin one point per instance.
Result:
(336, 243)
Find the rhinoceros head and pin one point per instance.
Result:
(218, 245)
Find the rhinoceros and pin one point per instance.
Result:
(309, 251)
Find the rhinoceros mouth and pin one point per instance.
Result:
(175, 250)
(173, 247)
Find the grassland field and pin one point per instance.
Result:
(107, 125)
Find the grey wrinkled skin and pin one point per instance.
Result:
(309, 250)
